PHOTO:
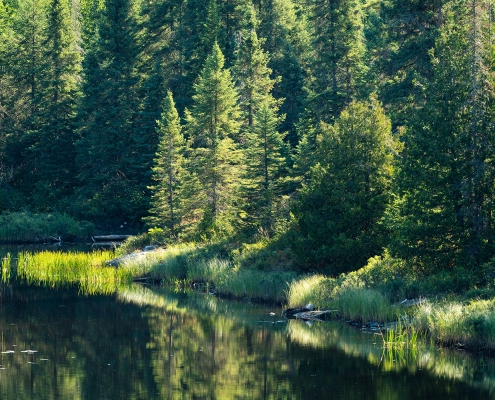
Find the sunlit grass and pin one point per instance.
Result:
(6, 268)
(87, 270)
(454, 322)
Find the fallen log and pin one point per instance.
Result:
(110, 238)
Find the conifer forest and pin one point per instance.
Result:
(344, 128)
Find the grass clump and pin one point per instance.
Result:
(87, 270)
(457, 323)
(6, 268)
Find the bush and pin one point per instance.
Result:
(24, 226)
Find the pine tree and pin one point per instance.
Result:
(340, 210)
(407, 30)
(175, 190)
(107, 117)
(251, 70)
(338, 67)
(443, 213)
(284, 27)
(23, 75)
(266, 154)
(213, 123)
(55, 169)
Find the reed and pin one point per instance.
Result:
(87, 270)
(6, 268)
(402, 337)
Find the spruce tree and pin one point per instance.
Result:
(284, 27)
(251, 70)
(24, 71)
(266, 156)
(107, 116)
(338, 66)
(55, 168)
(445, 195)
(174, 193)
(213, 124)
(339, 211)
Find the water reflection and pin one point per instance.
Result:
(153, 344)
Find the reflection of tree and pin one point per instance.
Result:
(176, 347)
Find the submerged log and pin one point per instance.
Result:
(315, 315)
(110, 238)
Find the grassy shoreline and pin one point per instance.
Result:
(373, 293)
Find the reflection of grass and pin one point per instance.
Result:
(87, 270)
(6, 268)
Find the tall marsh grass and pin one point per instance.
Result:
(457, 323)
(355, 302)
(87, 270)
(6, 268)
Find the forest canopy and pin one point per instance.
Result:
(345, 126)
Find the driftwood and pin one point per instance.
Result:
(314, 315)
(110, 238)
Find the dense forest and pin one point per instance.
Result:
(344, 126)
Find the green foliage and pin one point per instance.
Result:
(213, 124)
(23, 226)
(442, 213)
(174, 197)
(340, 210)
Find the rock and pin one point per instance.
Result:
(309, 307)
(150, 248)
(116, 262)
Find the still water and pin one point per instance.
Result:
(149, 343)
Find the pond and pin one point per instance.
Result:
(151, 343)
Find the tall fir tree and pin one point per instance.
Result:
(445, 195)
(266, 159)
(213, 124)
(254, 81)
(284, 27)
(107, 116)
(401, 33)
(24, 73)
(338, 66)
(173, 200)
(55, 170)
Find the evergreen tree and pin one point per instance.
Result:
(213, 124)
(338, 67)
(24, 71)
(55, 169)
(340, 210)
(266, 154)
(107, 116)
(404, 32)
(284, 26)
(251, 71)
(175, 190)
(443, 213)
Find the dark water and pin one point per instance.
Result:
(152, 344)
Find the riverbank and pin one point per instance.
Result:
(376, 293)
(443, 307)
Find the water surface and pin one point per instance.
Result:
(146, 343)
